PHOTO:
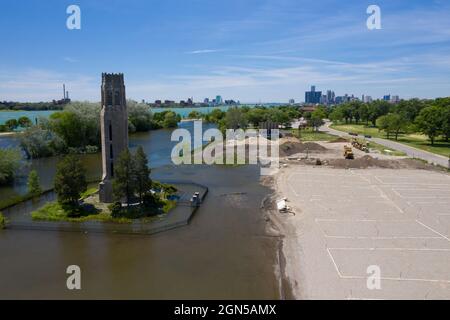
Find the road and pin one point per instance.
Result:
(410, 151)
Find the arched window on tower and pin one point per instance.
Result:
(111, 154)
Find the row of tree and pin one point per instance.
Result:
(76, 129)
(245, 116)
(14, 124)
(430, 117)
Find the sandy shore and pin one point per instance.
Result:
(8, 134)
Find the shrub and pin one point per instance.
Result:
(9, 163)
(33, 185)
(2, 221)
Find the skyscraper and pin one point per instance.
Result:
(313, 96)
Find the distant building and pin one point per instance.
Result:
(313, 96)
(366, 99)
(330, 97)
(291, 101)
(218, 100)
(387, 97)
(395, 99)
(206, 101)
(65, 98)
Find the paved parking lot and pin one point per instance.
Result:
(349, 220)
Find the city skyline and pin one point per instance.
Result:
(249, 51)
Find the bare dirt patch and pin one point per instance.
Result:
(292, 147)
(370, 162)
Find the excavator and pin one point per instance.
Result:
(348, 153)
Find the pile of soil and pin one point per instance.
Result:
(289, 148)
(367, 162)
(340, 139)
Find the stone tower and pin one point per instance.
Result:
(114, 129)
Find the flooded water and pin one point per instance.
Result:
(223, 253)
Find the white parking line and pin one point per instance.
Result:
(384, 278)
(431, 229)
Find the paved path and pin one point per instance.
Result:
(410, 151)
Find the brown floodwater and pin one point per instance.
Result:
(224, 253)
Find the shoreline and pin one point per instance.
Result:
(279, 228)
(8, 134)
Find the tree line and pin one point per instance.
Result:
(429, 117)
(76, 129)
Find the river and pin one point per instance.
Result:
(224, 253)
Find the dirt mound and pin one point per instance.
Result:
(340, 139)
(291, 147)
(367, 162)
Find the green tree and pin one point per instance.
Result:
(317, 117)
(142, 172)
(392, 123)
(257, 115)
(11, 124)
(124, 183)
(377, 109)
(70, 180)
(445, 111)
(215, 116)
(25, 122)
(194, 114)
(9, 163)
(37, 142)
(235, 119)
(429, 122)
(140, 118)
(170, 120)
(78, 125)
(33, 185)
(337, 114)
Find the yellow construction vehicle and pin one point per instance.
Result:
(348, 153)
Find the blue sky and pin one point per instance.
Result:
(242, 49)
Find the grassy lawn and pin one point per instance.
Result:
(53, 211)
(414, 140)
(385, 150)
(311, 135)
(95, 211)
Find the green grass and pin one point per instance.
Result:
(414, 140)
(382, 150)
(53, 211)
(90, 191)
(311, 135)
(169, 205)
